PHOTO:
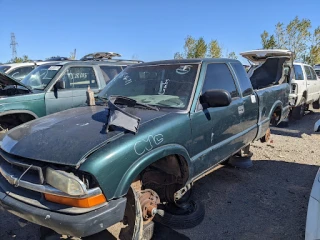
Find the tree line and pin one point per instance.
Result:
(298, 37)
(198, 48)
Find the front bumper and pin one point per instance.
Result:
(80, 225)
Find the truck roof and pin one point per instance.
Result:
(118, 62)
(190, 61)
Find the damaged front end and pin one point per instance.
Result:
(57, 197)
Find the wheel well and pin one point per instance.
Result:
(12, 120)
(276, 116)
(165, 176)
(304, 95)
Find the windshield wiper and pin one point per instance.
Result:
(130, 102)
(105, 100)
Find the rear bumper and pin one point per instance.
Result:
(73, 225)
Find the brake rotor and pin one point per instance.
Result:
(149, 201)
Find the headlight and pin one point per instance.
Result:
(65, 182)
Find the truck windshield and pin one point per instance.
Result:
(40, 77)
(3, 69)
(160, 85)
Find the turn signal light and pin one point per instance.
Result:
(77, 202)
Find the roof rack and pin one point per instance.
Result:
(106, 56)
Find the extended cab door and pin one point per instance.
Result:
(215, 130)
(250, 114)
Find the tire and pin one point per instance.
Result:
(180, 218)
(298, 112)
(316, 104)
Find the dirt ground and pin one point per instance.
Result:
(267, 201)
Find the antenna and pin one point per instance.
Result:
(13, 45)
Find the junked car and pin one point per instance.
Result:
(19, 70)
(54, 87)
(155, 129)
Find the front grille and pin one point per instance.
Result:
(25, 171)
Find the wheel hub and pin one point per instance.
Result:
(149, 201)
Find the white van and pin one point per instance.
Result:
(305, 89)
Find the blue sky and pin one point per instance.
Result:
(148, 30)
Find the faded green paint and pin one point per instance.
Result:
(202, 137)
(44, 102)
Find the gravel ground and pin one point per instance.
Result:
(267, 201)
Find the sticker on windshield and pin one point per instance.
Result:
(55, 68)
(183, 69)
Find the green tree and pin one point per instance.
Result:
(22, 59)
(268, 42)
(232, 55)
(215, 50)
(200, 48)
(294, 36)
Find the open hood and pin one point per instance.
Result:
(260, 56)
(5, 80)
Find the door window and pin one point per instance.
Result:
(308, 72)
(218, 76)
(298, 72)
(244, 81)
(20, 73)
(109, 72)
(80, 77)
(313, 73)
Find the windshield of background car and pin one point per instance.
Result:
(160, 85)
(40, 77)
(3, 69)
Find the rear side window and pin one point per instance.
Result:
(298, 72)
(109, 72)
(80, 77)
(318, 73)
(308, 72)
(218, 76)
(314, 75)
(244, 81)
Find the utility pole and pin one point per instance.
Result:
(13, 45)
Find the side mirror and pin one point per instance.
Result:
(216, 98)
(317, 126)
(60, 85)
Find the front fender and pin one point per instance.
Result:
(144, 161)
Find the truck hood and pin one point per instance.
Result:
(69, 136)
(5, 81)
(260, 56)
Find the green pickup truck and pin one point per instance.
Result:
(155, 129)
(53, 87)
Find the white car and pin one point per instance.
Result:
(313, 215)
(305, 89)
(19, 70)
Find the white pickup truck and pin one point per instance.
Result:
(305, 90)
